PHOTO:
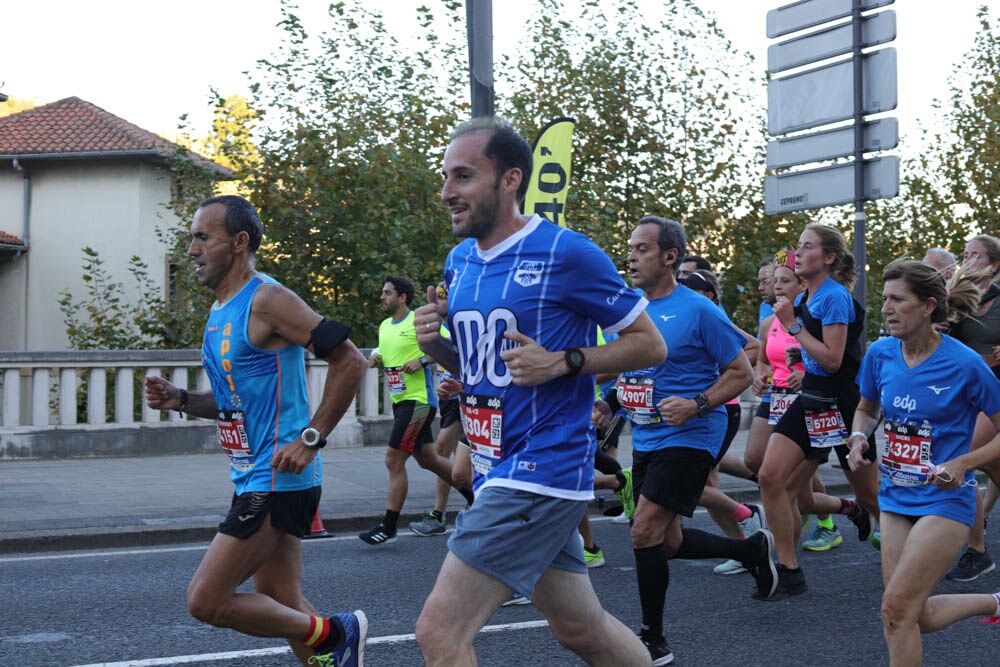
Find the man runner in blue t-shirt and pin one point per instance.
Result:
(524, 345)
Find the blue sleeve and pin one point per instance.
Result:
(721, 338)
(833, 307)
(595, 289)
(867, 381)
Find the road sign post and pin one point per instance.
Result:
(838, 91)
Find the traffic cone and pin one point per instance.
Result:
(317, 530)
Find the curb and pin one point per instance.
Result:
(126, 537)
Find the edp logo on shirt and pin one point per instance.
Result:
(905, 402)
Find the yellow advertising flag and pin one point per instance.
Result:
(549, 184)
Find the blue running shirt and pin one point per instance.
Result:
(831, 304)
(700, 339)
(943, 395)
(555, 286)
(260, 394)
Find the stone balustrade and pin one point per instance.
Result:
(62, 395)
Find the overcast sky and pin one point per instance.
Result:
(149, 63)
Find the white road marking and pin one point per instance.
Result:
(279, 650)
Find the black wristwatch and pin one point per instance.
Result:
(794, 329)
(313, 438)
(703, 406)
(574, 359)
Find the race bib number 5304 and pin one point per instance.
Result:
(482, 420)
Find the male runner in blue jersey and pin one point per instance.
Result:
(524, 344)
(253, 355)
(678, 424)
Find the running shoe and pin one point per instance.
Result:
(791, 582)
(625, 495)
(876, 539)
(971, 565)
(352, 649)
(429, 526)
(730, 567)
(377, 536)
(515, 600)
(762, 566)
(621, 518)
(823, 539)
(659, 651)
(594, 558)
(863, 522)
(752, 523)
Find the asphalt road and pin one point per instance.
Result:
(126, 607)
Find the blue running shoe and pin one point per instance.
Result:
(351, 652)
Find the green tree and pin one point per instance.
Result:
(666, 126)
(353, 129)
(951, 190)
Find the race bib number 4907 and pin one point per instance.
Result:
(482, 420)
(635, 394)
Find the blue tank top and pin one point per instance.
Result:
(260, 395)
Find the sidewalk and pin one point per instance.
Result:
(121, 502)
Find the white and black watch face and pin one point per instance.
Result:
(310, 437)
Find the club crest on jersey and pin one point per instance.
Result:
(528, 273)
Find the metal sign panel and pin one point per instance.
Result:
(826, 94)
(831, 42)
(879, 135)
(809, 13)
(830, 186)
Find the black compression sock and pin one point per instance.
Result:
(390, 520)
(698, 544)
(467, 494)
(653, 576)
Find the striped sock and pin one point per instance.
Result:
(324, 634)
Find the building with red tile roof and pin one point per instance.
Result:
(74, 175)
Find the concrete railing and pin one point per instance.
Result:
(65, 392)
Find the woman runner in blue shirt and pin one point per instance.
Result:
(930, 388)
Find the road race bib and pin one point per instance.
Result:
(396, 380)
(635, 394)
(781, 399)
(906, 458)
(232, 436)
(823, 422)
(482, 420)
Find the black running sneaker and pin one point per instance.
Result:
(659, 651)
(791, 582)
(762, 566)
(377, 536)
(863, 522)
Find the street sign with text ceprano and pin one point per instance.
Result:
(834, 90)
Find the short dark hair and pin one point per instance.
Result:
(671, 235)
(241, 216)
(506, 149)
(402, 286)
(699, 262)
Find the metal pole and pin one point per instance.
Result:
(860, 220)
(479, 26)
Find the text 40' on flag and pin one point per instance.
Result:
(549, 187)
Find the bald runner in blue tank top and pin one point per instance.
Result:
(252, 387)
(555, 286)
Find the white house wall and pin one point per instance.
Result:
(113, 207)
